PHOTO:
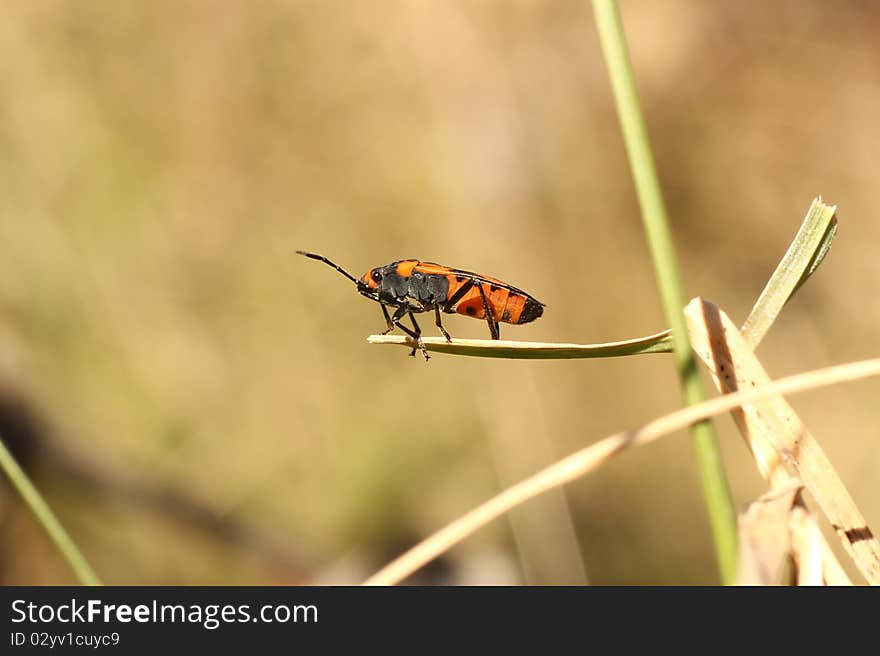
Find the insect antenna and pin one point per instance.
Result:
(323, 259)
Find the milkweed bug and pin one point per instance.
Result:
(412, 286)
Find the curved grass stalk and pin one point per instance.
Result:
(586, 460)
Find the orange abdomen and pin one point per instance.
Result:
(506, 306)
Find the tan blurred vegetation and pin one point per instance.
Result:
(199, 405)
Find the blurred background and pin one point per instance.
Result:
(199, 405)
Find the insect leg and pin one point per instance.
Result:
(418, 338)
(399, 313)
(490, 318)
(388, 321)
(440, 325)
(416, 334)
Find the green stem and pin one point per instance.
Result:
(803, 257)
(46, 517)
(722, 516)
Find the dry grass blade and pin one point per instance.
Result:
(498, 348)
(762, 449)
(587, 459)
(803, 257)
(776, 435)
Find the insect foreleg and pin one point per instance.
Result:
(388, 322)
(416, 334)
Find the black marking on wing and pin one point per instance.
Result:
(493, 282)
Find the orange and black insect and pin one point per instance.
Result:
(412, 286)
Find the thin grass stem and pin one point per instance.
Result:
(44, 515)
(722, 516)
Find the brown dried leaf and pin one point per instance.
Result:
(764, 537)
(778, 438)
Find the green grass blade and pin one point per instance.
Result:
(802, 258)
(44, 515)
(722, 516)
(490, 348)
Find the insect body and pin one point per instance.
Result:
(412, 286)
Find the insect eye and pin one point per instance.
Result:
(376, 275)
